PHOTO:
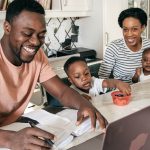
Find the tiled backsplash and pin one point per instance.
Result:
(60, 30)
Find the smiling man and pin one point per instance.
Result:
(23, 64)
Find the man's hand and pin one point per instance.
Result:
(93, 113)
(28, 139)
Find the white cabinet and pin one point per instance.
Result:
(71, 8)
(76, 5)
(145, 5)
(66, 8)
(111, 11)
(72, 5)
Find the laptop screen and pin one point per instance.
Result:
(129, 133)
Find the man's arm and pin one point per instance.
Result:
(70, 98)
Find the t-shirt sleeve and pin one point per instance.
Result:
(46, 71)
(98, 85)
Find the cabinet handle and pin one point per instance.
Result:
(65, 2)
(106, 38)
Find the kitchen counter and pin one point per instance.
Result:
(140, 99)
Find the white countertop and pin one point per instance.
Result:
(140, 98)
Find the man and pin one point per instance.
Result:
(22, 65)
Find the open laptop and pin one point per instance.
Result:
(129, 133)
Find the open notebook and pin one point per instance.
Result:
(63, 128)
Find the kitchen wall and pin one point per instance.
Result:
(90, 30)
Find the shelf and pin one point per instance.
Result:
(62, 14)
(57, 14)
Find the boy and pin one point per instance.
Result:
(143, 73)
(79, 75)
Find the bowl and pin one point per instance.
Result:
(119, 98)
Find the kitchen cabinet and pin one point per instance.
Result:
(145, 5)
(65, 8)
(76, 5)
(72, 8)
(111, 11)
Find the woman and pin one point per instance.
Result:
(124, 55)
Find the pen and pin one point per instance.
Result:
(48, 141)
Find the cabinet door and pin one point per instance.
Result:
(144, 4)
(76, 5)
(111, 11)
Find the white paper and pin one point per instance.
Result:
(59, 126)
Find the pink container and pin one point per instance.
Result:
(119, 98)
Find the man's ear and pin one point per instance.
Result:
(7, 27)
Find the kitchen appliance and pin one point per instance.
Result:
(84, 52)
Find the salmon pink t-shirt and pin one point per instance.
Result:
(17, 84)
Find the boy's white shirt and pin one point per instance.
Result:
(143, 77)
(95, 89)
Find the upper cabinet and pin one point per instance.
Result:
(76, 5)
(145, 5)
(111, 11)
(65, 8)
(70, 8)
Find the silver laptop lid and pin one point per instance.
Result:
(129, 133)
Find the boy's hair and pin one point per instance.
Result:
(17, 6)
(137, 13)
(147, 50)
(72, 60)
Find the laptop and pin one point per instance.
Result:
(129, 133)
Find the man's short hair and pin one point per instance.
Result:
(137, 13)
(72, 60)
(17, 6)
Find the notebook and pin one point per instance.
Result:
(129, 133)
(63, 128)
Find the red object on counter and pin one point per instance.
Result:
(119, 98)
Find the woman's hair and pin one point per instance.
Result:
(17, 6)
(72, 60)
(137, 13)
